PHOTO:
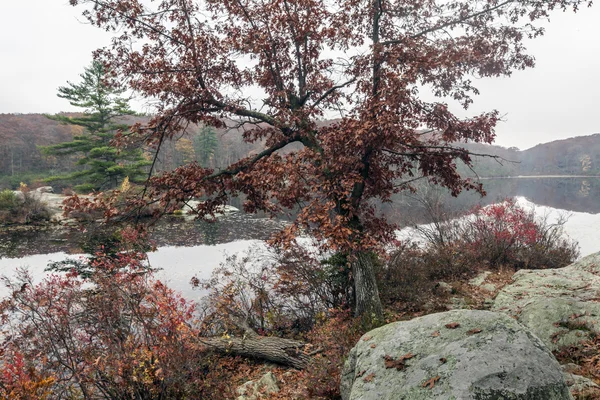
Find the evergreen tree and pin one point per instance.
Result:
(103, 166)
(206, 145)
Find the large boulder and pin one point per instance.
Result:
(560, 306)
(461, 354)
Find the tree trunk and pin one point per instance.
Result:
(281, 351)
(368, 303)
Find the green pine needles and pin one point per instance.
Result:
(99, 165)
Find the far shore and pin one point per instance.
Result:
(539, 176)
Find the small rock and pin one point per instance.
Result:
(489, 287)
(578, 383)
(457, 303)
(253, 390)
(443, 287)
(479, 279)
(45, 189)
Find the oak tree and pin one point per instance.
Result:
(280, 68)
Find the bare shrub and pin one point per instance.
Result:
(503, 235)
(274, 292)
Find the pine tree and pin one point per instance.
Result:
(206, 145)
(102, 165)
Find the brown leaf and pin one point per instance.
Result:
(399, 363)
(369, 378)
(373, 346)
(367, 338)
(474, 331)
(431, 382)
(452, 325)
(435, 334)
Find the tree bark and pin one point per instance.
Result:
(281, 351)
(368, 303)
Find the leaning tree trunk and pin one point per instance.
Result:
(368, 303)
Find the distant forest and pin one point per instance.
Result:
(578, 155)
(22, 161)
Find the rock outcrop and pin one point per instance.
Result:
(560, 306)
(460, 355)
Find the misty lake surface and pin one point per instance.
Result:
(195, 248)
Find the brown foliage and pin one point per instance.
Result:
(199, 70)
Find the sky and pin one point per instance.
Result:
(45, 43)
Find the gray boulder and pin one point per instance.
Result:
(20, 196)
(254, 390)
(45, 189)
(461, 355)
(560, 306)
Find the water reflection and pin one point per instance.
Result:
(172, 231)
(571, 194)
(195, 248)
(577, 194)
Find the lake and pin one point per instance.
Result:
(195, 248)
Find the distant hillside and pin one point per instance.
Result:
(22, 161)
(574, 156)
(20, 134)
(507, 163)
(20, 158)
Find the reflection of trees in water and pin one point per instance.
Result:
(22, 241)
(170, 232)
(238, 226)
(572, 194)
(585, 189)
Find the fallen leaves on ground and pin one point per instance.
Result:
(369, 378)
(399, 363)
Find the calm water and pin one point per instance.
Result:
(187, 249)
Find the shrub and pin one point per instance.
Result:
(68, 191)
(507, 234)
(118, 334)
(23, 209)
(503, 235)
(8, 200)
(280, 293)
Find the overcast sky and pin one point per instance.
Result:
(44, 43)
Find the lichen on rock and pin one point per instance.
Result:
(461, 354)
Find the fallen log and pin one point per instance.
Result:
(287, 352)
